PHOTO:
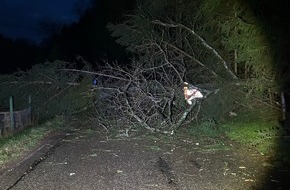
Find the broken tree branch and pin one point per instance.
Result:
(203, 42)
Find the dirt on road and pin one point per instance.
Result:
(87, 159)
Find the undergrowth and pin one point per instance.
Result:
(266, 137)
(261, 135)
(53, 90)
(207, 128)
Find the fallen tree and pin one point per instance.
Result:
(142, 95)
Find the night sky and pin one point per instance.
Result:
(37, 31)
(20, 18)
(88, 37)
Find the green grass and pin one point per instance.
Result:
(208, 128)
(261, 135)
(265, 137)
(13, 147)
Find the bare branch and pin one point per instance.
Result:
(148, 98)
(190, 57)
(203, 42)
(97, 73)
(168, 62)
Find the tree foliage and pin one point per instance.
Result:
(216, 42)
(53, 90)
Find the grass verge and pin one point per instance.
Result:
(13, 147)
(263, 136)
(266, 137)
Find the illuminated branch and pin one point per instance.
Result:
(203, 42)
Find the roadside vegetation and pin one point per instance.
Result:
(13, 147)
(266, 138)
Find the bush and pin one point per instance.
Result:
(54, 90)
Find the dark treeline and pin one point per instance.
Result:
(17, 54)
(88, 38)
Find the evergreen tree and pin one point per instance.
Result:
(242, 37)
(217, 42)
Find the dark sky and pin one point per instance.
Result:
(20, 18)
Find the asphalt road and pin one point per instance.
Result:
(88, 160)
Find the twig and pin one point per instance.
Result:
(96, 73)
(190, 57)
(203, 42)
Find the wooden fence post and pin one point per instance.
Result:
(11, 112)
(29, 104)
